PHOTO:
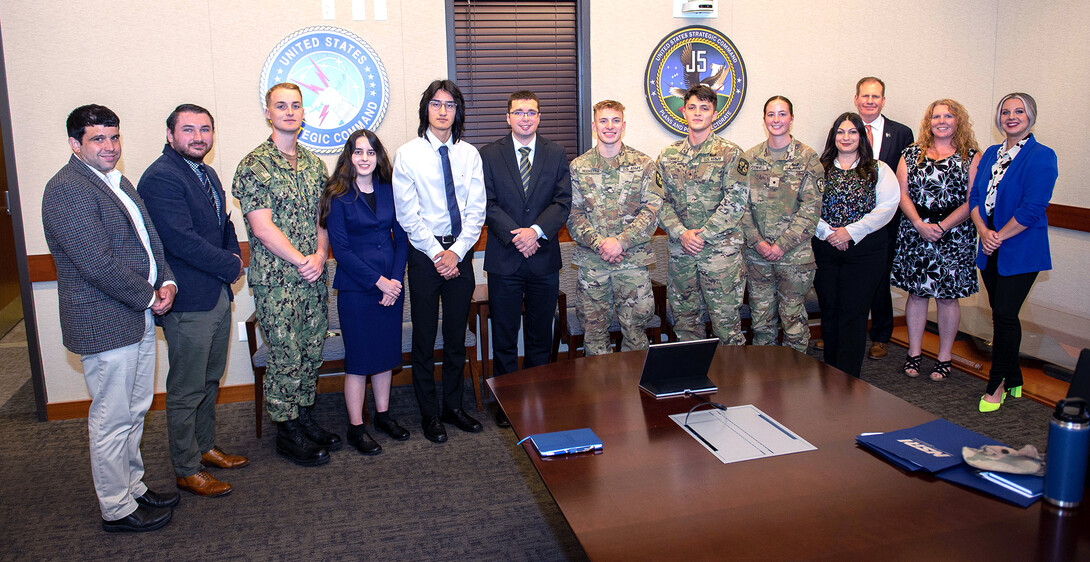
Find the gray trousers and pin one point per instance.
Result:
(121, 383)
(197, 343)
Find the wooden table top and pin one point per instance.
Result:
(654, 492)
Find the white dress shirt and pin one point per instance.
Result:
(420, 194)
(113, 179)
(876, 129)
(518, 158)
(887, 196)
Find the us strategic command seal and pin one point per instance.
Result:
(344, 84)
(689, 56)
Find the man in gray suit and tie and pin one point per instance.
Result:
(112, 278)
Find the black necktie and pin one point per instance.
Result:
(452, 197)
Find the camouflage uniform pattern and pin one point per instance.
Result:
(705, 187)
(614, 197)
(784, 207)
(291, 312)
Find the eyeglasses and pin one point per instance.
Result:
(520, 113)
(436, 104)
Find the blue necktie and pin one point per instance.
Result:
(452, 197)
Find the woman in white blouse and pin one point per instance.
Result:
(859, 197)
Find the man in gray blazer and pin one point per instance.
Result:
(112, 278)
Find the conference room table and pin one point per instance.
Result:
(654, 492)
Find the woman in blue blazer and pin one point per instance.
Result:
(1013, 185)
(357, 210)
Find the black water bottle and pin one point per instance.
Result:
(1068, 443)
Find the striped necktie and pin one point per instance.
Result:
(524, 167)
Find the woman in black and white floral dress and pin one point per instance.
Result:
(936, 244)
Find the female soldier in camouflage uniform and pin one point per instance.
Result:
(784, 207)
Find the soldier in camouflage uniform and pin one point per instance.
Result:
(614, 204)
(278, 186)
(703, 178)
(784, 207)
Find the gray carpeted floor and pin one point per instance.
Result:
(476, 497)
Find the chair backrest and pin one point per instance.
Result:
(569, 273)
(406, 317)
(660, 270)
(334, 316)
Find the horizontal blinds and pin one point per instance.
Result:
(504, 46)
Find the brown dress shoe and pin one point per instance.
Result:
(217, 458)
(204, 485)
(879, 350)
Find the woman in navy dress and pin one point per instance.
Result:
(357, 209)
(1013, 186)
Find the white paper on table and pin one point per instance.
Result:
(741, 433)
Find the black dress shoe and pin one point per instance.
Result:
(157, 499)
(433, 429)
(501, 419)
(320, 437)
(461, 420)
(293, 445)
(393, 429)
(143, 519)
(361, 440)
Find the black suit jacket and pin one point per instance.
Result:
(102, 266)
(546, 203)
(201, 248)
(895, 138)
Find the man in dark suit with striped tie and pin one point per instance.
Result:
(187, 203)
(528, 188)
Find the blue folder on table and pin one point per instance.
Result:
(566, 442)
(935, 447)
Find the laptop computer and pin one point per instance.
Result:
(671, 369)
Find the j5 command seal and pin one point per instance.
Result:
(687, 57)
(344, 84)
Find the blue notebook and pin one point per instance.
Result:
(566, 442)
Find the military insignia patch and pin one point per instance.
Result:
(743, 166)
(821, 185)
(687, 57)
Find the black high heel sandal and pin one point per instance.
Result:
(941, 371)
(912, 363)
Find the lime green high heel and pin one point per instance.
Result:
(986, 406)
(1015, 392)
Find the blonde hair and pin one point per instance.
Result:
(608, 104)
(282, 86)
(964, 139)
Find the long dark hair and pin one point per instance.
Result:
(867, 168)
(459, 112)
(344, 173)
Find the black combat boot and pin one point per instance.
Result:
(315, 433)
(293, 444)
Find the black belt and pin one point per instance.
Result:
(446, 241)
(934, 215)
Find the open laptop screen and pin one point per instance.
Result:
(670, 369)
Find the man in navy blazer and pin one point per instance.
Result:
(528, 190)
(112, 278)
(188, 206)
(888, 138)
